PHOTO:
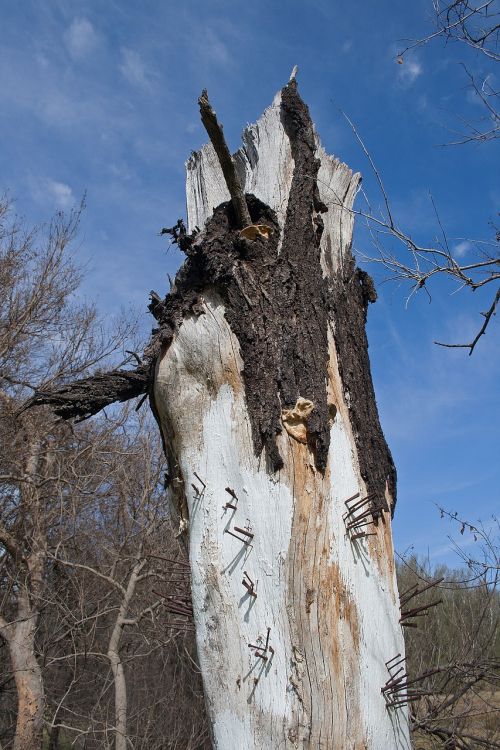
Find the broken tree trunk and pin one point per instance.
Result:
(264, 397)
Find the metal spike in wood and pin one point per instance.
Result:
(419, 611)
(415, 590)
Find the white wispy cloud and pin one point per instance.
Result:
(134, 69)
(61, 193)
(80, 38)
(215, 49)
(409, 70)
(462, 248)
(52, 193)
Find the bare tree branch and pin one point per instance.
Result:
(426, 262)
(487, 316)
(463, 21)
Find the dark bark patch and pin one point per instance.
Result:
(304, 347)
(243, 273)
(351, 292)
(276, 304)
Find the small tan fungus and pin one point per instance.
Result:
(256, 230)
(295, 420)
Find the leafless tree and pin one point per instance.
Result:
(475, 25)
(128, 522)
(116, 616)
(87, 599)
(451, 622)
(45, 338)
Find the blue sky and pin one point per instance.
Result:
(101, 97)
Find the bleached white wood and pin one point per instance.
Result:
(337, 187)
(332, 604)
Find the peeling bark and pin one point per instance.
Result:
(276, 302)
(351, 292)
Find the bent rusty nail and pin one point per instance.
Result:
(406, 595)
(200, 480)
(243, 531)
(403, 703)
(393, 681)
(356, 521)
(249, 588)
(353, 497)
(421, 677)
(355, 526)
(359, 504)
(417, 610)
(398, 656)
(390, 686)
(267, 639)
(245, 541)
(391, 660)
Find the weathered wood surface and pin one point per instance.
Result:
(331, 603)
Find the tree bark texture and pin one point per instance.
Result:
(265, 400)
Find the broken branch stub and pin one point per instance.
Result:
(85, 397)
(216, 135)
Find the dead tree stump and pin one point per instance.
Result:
(280, 473)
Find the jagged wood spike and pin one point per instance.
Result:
(216, 135)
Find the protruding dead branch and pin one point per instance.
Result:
(216, 135)
(86, 397)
